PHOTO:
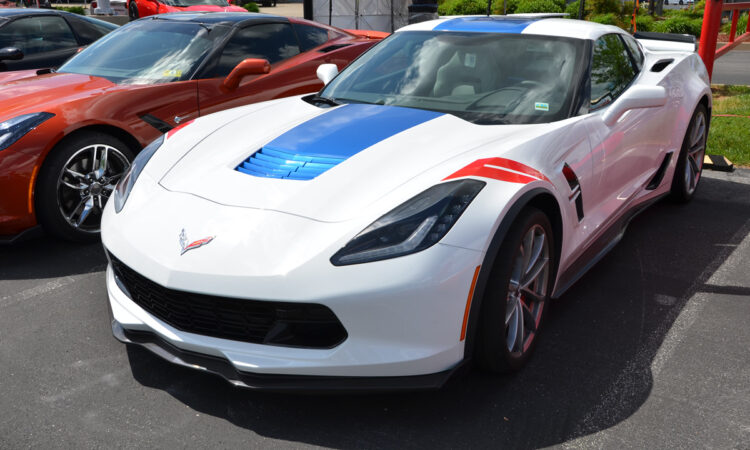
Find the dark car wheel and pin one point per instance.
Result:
(133, 11)
(689, 167)
(75, 182)
(517, 294)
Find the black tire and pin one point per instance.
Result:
(494, 351)
(132, 11)
(64, 197)
(687, 172)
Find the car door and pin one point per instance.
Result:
(292, 69)
(628, 153)
(46, 41)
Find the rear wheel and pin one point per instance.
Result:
(76, 181)
(689, 167)
(133, 11)
(517, 294)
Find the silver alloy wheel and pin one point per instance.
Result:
(527, 290)
(695, 152)
(85, 183)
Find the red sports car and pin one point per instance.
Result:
(143, 8)
(67, 137)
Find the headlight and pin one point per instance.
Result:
(15, 128)
(412, 227)
(126, 183)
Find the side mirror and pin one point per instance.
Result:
(10, 53)
(634, 98)
(327, 72)
(250, 66)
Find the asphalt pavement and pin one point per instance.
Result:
(734, 67)
(648, 350)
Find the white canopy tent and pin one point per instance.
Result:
(380, 15)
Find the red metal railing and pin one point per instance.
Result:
(710, 31)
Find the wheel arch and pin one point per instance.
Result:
(540, 198)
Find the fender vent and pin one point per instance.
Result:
(659, 175)
(575, 190)
(661, 65)
(331, 48)
(271, 163)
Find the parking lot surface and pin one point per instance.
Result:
(648, 350)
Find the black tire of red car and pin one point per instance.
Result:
(515, 300)
(687, 173)
(75, 181)
(133, 11)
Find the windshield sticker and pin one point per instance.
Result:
(470, 60)
(539, 106)
(173, 73)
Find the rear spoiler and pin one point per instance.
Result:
(669, 42)
(369, 34)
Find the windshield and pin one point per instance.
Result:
(146, 52)
(195, 2)
(485, 78)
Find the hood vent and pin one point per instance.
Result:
(273, 163)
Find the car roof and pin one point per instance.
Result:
(213, 18)
(518, 24)
(13, 12)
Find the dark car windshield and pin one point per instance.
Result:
(486, 78)
(146, 52)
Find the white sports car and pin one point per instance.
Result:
(419, 212)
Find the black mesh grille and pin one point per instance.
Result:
(260, 322)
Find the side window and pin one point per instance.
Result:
(272, 41)
(611, 70)
(635, 51)
(88, 30)
(310, 36)
(38, 35)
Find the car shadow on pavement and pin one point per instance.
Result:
(48, 257)
(592, 368)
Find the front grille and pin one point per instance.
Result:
(307, 325)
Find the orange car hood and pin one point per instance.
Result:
(46, 92)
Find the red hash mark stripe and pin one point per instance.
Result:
(198, 243)
(176, 129)
(499, 169)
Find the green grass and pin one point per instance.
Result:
(730, 136)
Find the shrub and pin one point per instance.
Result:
(72, 9)
(510, 7)
(741, 25)
(605, 6)
(606, 19)
(538, 6)
(644, 23)
(251, 7)
(465, 7)
(681, 25)
(572, 9)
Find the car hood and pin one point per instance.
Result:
(45, 92)
(211, 8)
(16, 75)
(353, 155)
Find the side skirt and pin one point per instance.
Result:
(599, 248)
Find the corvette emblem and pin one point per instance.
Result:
(193, 245)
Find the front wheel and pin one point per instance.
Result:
(76, 181)
(517, 294)
(689, 167)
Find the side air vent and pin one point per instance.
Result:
(272, 163)
(659, 175)
(661, 64)
(575, 190)
(331, 48)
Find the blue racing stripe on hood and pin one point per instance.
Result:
(324, 141)
(485, 25)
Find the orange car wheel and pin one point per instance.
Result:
(75, 182)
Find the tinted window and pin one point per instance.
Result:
(635, 51)
(37, 35)
(310, 36)
(271, 41)
(89, 30)
(611, 70)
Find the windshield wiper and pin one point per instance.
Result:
(320, 99)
